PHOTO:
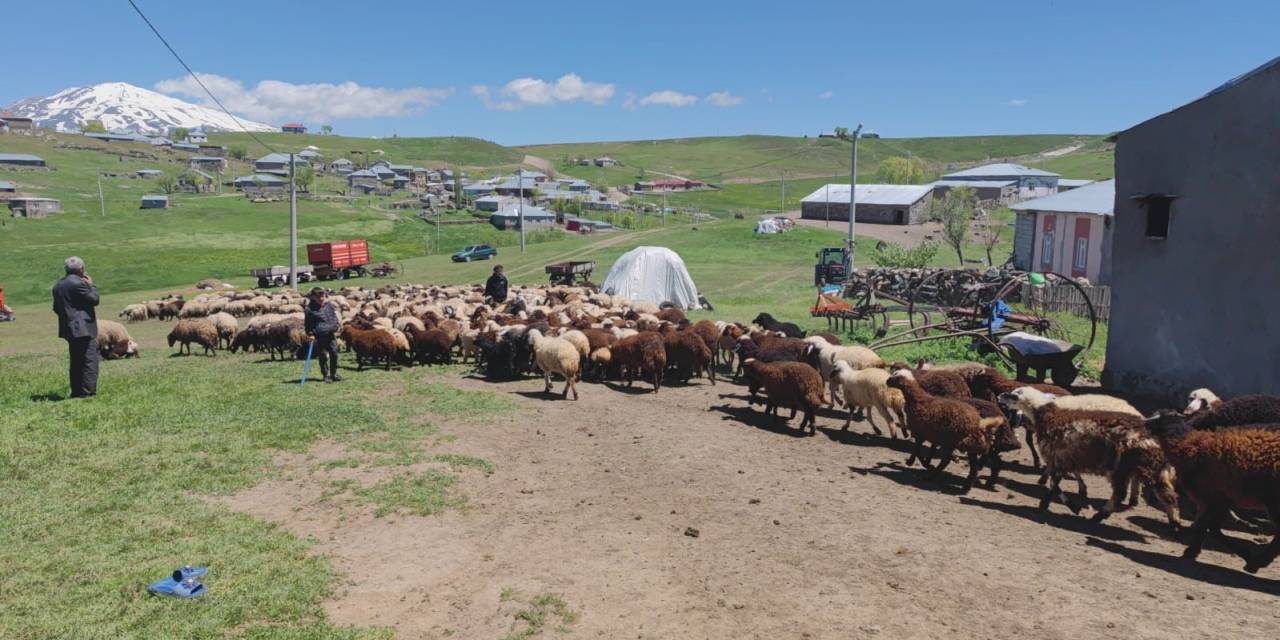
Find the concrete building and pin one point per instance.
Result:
(477, 190)
(877, 203)
(1068, 233)
(155, 202)
(197, 137)
(999, 193)
(294, 127)
(493, 202)
(21, 160)
(363, 180)
(260, 180)
(7, 190)
(534, 218)
(1032, 183)
(277, 163)
(1194, 268)
(29, 207)
(342, 166)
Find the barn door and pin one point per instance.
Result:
(1080, 248)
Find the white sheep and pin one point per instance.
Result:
(823, 355)
(556, 355)
(227, 326)
(868, 389)
(135, 313)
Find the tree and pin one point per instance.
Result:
(237, 152)
(180, 134)
(167, 181)
(903, 170)
(94, 126)
(326, 129)
(842, 133)
(304, 177)
(990, 231)
(457, 186)
(955, 212)
(897, 256)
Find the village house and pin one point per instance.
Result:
(1067, 184)
(194, 180)
(277, 163)
(155, 202)
(384, 172)
(477, 190)
(1194, 268)
(492, 203)
(515, 187)
(197, 137)
(294, 127)
(309, 155)
(260, 181)
(1032, 183)
(208, 163)
(342, 166)
(148, 173)
(21, 160)
(606, 161)
(877, 203)
(185, 146)
(534, 218)
(400, 182)
(113, 137)
(669, 184)
(213, 150)
(1067, 233)
(7, 190)
(31, 207)
(364, 181)
(998, 193)
(15, 123)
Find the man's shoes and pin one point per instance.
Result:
(335, 378)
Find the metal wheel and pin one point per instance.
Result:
(1076, 323)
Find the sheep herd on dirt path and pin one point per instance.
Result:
(1221, 454)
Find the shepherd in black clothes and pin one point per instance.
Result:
(74, 299)
(496, 286)
(320, 320)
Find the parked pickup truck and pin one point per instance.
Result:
(475, 252)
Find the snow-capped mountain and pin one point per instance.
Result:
(122, 107)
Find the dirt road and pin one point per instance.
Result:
(797, 537)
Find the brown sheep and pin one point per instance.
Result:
(199, 331)
(1233, 468)
(642, 353)
(943, 383)
(947, 423)
(794, 385)
(670, 314)
(707, 330)
(598, 355)
(988, 383)
(372, 345)
(431, 345)
(688, 355)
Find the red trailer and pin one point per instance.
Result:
(339, 260)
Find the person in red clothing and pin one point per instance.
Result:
(6, 314)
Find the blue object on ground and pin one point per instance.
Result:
(999, 313)
(188, 571)
(831, 289)
(189, 588)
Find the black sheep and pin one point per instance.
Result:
(1207, 412)
(789, 329)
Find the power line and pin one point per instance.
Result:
(195, 77)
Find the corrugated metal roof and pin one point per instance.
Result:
(363, 173)
(888, 194)
(999, 170)
(976, 183)
(26, 157)
(7, 185)
(165, 198)
(1098, 198)
(1073, 182)
(530, 211)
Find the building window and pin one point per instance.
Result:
(1046, 249)
(1082, 254)
(1158, 208)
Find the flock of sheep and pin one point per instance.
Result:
(1223, 454)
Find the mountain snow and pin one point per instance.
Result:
(122, 108)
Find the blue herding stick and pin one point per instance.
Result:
(306, 366)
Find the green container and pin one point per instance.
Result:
(1036, 279)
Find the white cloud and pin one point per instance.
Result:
(525, 92)
(667, 98)
(826, 95)
(724, 99)
(1018, 102)
(273, 100)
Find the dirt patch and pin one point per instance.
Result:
(797, 537)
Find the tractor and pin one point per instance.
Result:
(830, 268)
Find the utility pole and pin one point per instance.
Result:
(826, 195)
(520, 210)
(664, 206)
(102, 202)
(853, 198)
(293, 227)
(783, 208)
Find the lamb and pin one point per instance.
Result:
(556, 356)
(1206, 411)
(1237, 468)
(641, 353)
(793, 385)
(227, 326)
(371, 345)
(789, 329)
(135, 313)
(948, 424)
(867, 389)
(199, 331)
(1113, 444)
(688, 355)
(822, 355)
(114, 341)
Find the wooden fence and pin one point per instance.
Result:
(1068, 298)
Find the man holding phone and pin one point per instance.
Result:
(74, 299)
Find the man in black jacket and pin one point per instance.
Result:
(74, 299)
(320, 320)
(496, 286)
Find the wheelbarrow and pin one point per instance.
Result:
(1043, 355)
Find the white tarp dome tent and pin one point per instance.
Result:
(653, 274)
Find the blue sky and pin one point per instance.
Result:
(574, 71)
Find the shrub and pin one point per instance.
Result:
(893, 255)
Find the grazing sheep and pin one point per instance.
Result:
(1108, 443)
(947, 423)
(556, 356)
(286, 335)
(194, 309)
(1206, 411)
(199, 331)
(114, 341)
(688, 355)
(372, 345)
(1236, 468)
(135, 313)
(867, 389)
(227, 326)
(789, 329)
(170, 309)
(793, 385)
(642, 353)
